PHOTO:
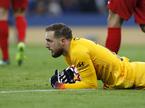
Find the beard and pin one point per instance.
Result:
(57, 53)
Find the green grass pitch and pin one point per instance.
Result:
(17, 84)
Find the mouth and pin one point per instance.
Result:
(48, 48)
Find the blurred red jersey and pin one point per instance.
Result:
(126, 8)
(16, 4)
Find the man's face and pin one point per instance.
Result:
(53, 44)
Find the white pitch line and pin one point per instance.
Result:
(46, 90)
(25, 91)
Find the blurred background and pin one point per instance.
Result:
(42, 12)
(86, 17)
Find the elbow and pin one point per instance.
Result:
(93, 86)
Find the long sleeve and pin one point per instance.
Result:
(85, 68)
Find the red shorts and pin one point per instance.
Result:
(126, 8)
(16, 4)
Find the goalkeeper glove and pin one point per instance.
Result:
(69, 75)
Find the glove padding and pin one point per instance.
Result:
(54, 78)
(66, 76)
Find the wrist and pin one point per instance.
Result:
(59, 85)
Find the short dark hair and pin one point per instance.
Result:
(60, 30)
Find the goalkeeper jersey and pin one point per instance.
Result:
(95, 62)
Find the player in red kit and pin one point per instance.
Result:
(120, 10)
(19, 8)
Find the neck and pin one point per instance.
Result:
(66, 47)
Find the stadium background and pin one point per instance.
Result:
(28, 86)
(86, 17)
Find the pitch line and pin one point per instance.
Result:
(46, 90)
(25, 91)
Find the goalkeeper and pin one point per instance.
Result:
(90, 62)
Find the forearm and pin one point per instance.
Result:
(77, 85)
(80, 85)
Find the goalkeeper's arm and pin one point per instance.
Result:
(70, 79)
(68, 75)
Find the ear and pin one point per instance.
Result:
(62, 40)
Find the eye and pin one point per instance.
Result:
(48, 40)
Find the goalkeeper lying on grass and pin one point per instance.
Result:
(90, 62)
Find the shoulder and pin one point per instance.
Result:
(79, 54)
(79, 50)
(78, 45)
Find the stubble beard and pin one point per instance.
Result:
(57, 54)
